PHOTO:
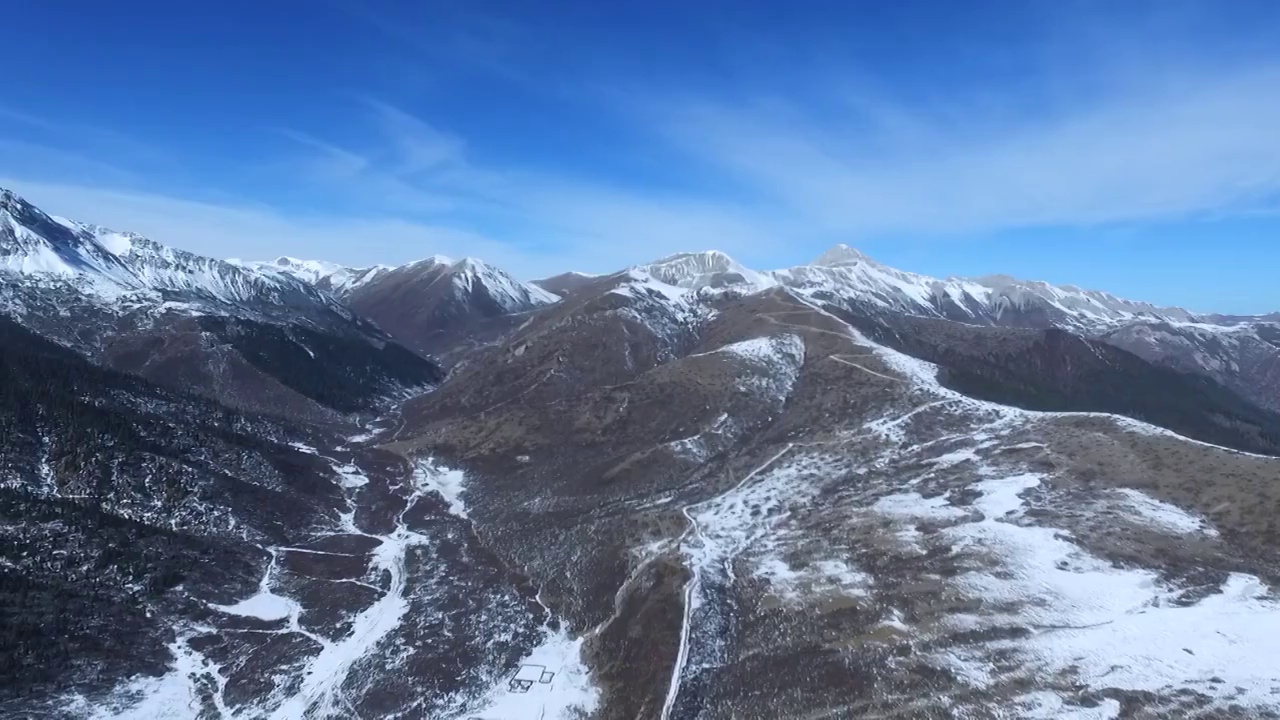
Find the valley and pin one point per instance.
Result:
(684, 490)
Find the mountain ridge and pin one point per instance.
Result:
(437, 306)
(187, 321)
(1239, 352)
(442, 307)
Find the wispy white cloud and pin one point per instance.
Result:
(1207, 145)
(416, 146)
(783, 174)
(778, 175)
(47, 161)
(73, 137)
(594, 224)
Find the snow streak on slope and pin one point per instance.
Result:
(174, 695)
(775, 362)
(551, 682)
(720, 529)
(321, 691)
(1169, 518)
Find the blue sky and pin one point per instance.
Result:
(1129, 146)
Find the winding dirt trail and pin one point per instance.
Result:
(700, 556)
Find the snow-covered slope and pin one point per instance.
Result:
(470, 275)
(245, 335)
(1243, 356)
(125, 271)
(330, 277)
(335, 278)
(1240, 353)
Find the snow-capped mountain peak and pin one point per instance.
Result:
(33, 243)
(712, 268)
(428, 262)
(310, 269)
(470, 275)
(465, 265)
(841, 255)
(330, 277)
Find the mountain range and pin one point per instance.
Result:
(687, 489)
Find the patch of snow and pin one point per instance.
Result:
(814, 581)
(638, 281)
(1049, 706)
(702, 445)
(116, 243)
(448, 483)
(891, 427)
(176, 694)
(953, 458)
(914, 506)
(350, 476)
(559, 685)
(1163, 515)
(1109, 627)
(769, 349)
(780, 357)
(264, 606)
